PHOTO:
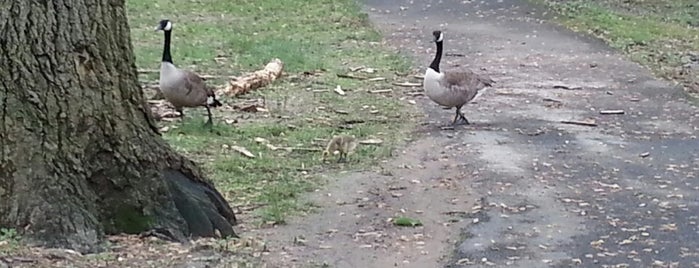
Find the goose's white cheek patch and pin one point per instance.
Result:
(210, 100)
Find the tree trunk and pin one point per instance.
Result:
(80, 156)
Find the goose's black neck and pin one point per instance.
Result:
(437, 57)
(166, 50)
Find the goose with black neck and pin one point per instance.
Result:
(180, 87)
(453, 88)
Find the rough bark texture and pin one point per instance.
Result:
(80, 156)
(254, 80)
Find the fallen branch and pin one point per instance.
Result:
(255, 80)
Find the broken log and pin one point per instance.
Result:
(255, 80)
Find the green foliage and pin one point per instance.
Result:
(9, 240)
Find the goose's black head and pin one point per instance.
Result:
(164, 25)
(438, 36)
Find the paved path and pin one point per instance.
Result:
(518, 188)
(556, 195)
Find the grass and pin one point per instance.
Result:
(660, 34)
(321, 38)
(9, 241)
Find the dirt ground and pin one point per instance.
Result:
(518, 188)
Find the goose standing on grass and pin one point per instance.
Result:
(180, 87)
(452, 88)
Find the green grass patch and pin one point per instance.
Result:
(9, 241)
(321, 38)
(660, 34)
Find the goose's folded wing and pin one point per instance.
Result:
(194, 83)
(466, 80)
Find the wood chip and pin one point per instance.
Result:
(243, 151)
(339, 90)
(611, 112)
(376, 79)
(645, 154)
(380, 91)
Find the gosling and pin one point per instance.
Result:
(344, 144)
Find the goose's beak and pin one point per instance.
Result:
(158, 28)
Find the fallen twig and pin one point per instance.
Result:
(379, 91)
(454, 55)
(243, 151)
(376, 79)
(566, 87)
(589, 123)
(145, 71)
(351, 76)
(611, 112)
(407, 84)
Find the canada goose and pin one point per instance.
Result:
(345, 145)
(452, 88)
(180, 87)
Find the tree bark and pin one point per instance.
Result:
(80, 156)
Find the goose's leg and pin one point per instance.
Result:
(342, 158)
(460, 116)
(210, 121)
(456, 117)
